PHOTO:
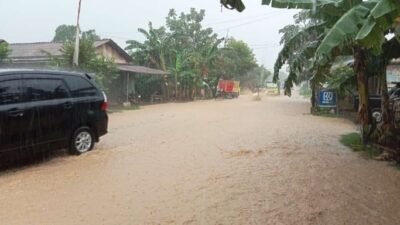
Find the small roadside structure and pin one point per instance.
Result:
(38, 55)
(137, 80)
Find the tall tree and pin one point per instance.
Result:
(191, 53)
(66, 33)
(257, 77)
(242, 56)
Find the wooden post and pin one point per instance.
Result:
(127, 86)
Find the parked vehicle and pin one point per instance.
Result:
(272, 89)
(375, 102)
(228, 88)
(40, 109)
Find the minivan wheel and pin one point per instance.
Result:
(82, 141)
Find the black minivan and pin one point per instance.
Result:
(40, 108)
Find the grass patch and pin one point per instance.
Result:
(353, 141)
(395, 166)
(326, 112)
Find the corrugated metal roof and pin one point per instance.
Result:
(4, 71)
(34, 50)
(37, 50)
(101, 42)
(140, 69)
(116, 47)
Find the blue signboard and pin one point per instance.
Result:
(327, 98)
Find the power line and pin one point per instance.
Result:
(261, 45)
(113, 36)
(266, 47)
(217, 30)
(251, 22)
(259, 18)
(237, 19)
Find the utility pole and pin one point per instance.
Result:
(260, 81)
(76, 50)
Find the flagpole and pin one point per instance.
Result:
(76, 50)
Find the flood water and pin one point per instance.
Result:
(208, 162)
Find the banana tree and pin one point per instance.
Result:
(176, 71)
(361, 28)
(359, 25)
(180, 71)
(299, 44)
(153, 49)
(298, 51)
(205, 60)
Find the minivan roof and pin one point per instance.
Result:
(4, 71)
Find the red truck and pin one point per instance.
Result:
(228, 88)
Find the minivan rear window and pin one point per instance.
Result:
(80, 87)
(45, 89)
(10, 92)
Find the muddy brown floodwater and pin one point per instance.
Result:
(209, 162)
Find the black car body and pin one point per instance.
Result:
(375, 102)
(41, 108)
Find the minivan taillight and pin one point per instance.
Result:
(104, 105)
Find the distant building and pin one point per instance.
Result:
(37, 55)
(393, 72)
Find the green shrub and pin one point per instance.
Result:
(353, 141)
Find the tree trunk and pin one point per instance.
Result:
(362, 85)
(279, 87)
(313, 96)
(176, 86)
(162, 62)
(386, 117)
(214, 87)
(387, 127)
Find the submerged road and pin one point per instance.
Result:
(208, 162)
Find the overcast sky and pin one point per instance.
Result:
(36, 20)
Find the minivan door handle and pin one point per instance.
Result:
(68, 105)
(15, 112)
